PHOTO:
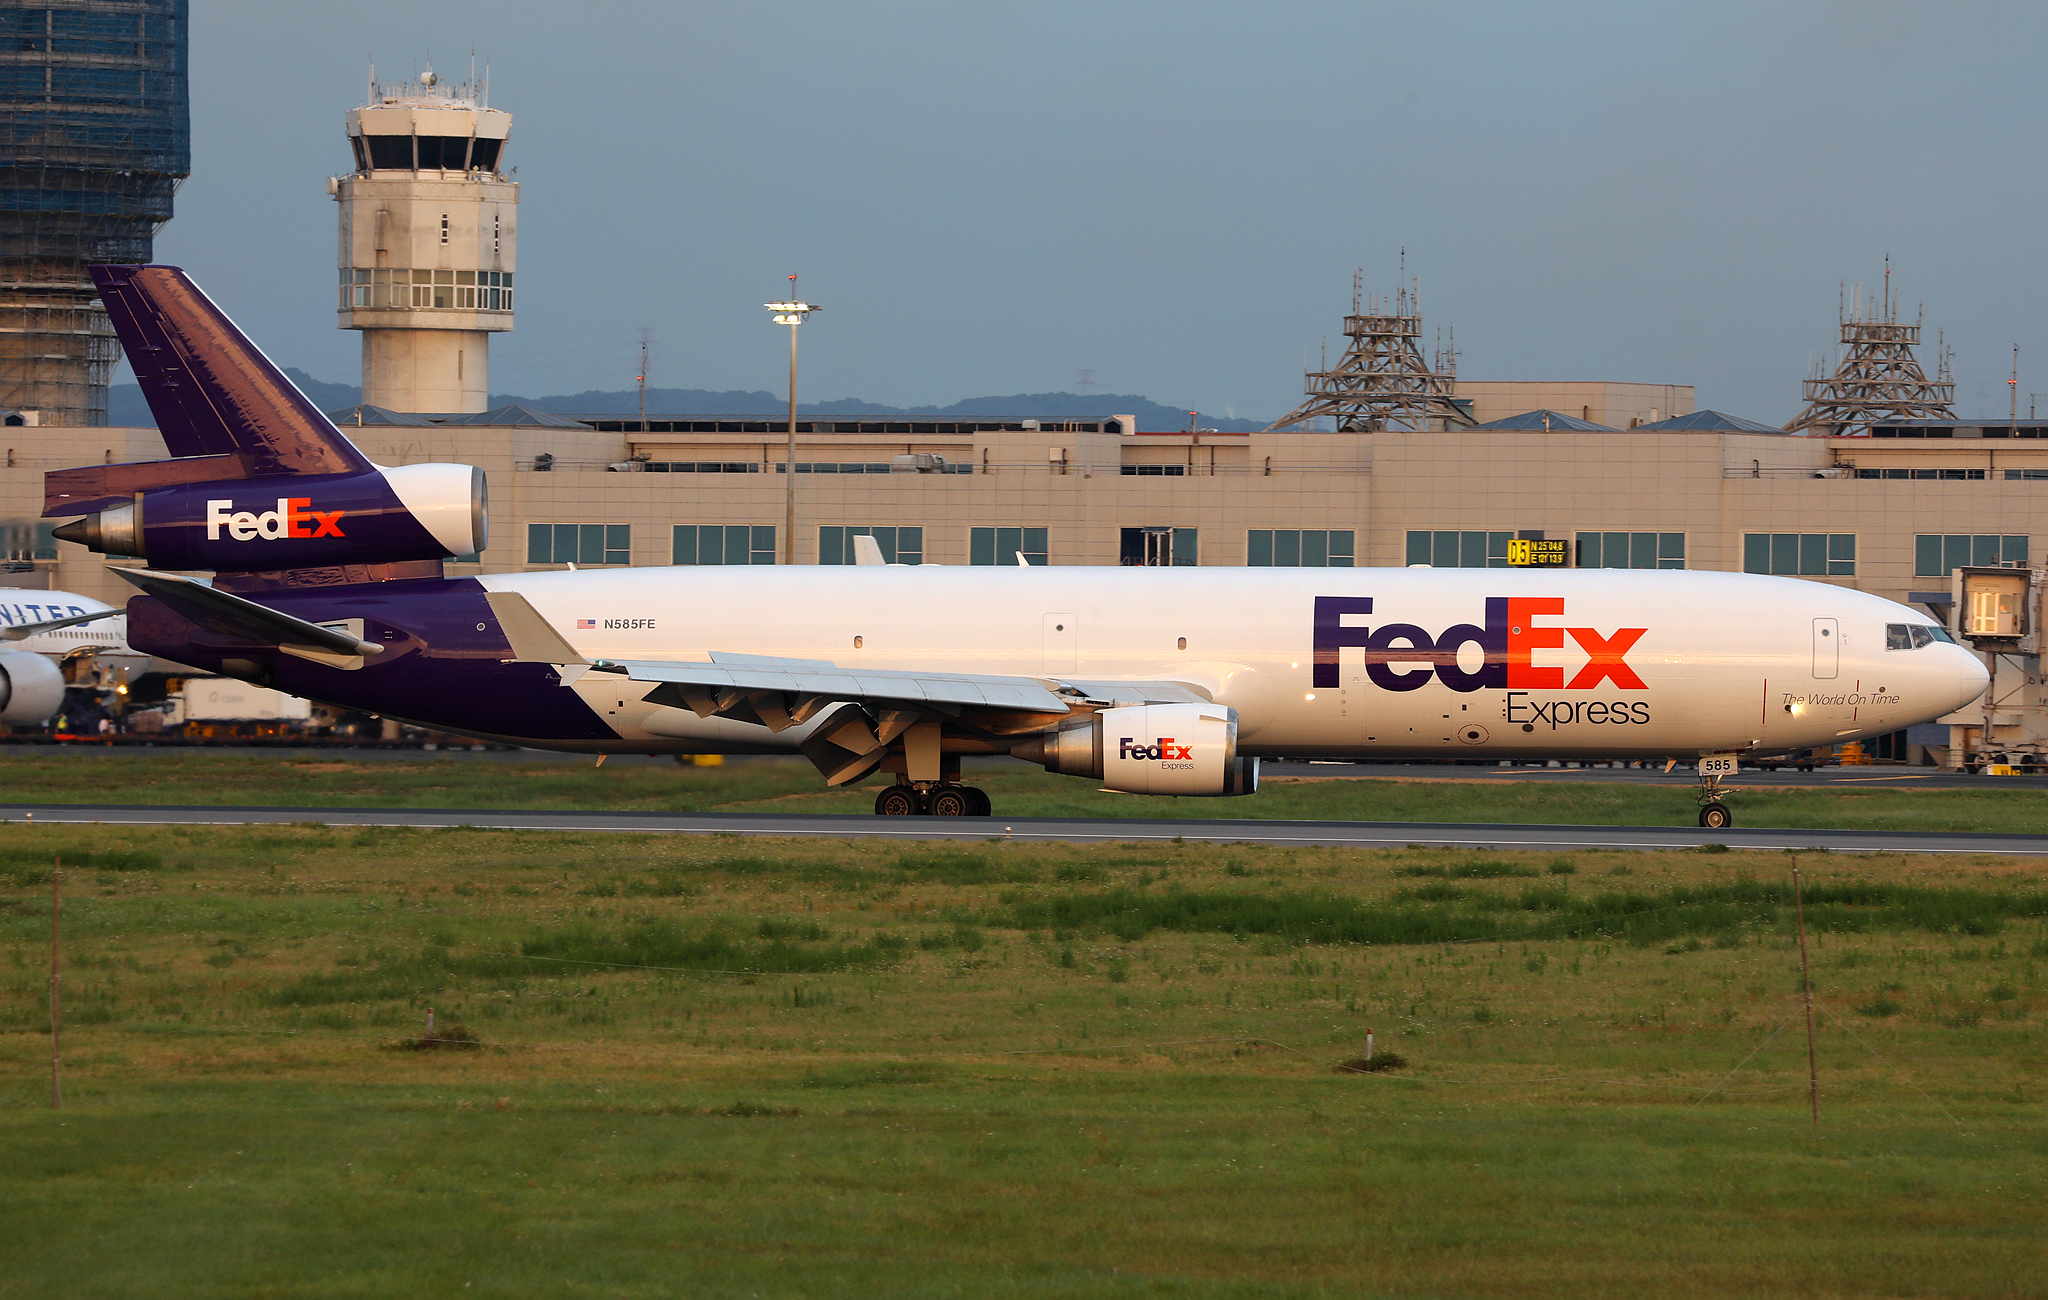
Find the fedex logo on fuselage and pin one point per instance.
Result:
(1167, 750)
(290, 519)
(1404, 657)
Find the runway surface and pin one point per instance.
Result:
(1875, 777)
(1363, 835)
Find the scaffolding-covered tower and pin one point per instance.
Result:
(95, 134)
(1382, 381)
(1879, 379)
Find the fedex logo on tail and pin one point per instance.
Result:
(292, 518)
(1405, 657)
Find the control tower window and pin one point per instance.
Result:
(362, 154)
(484, 154)
(391, 152)
(444, 153)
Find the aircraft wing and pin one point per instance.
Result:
(782, 693)
(23, 631)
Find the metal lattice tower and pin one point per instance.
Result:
(1382, 381)
(95, 135)
(1879, 380)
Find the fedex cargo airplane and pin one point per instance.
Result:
(329, 584)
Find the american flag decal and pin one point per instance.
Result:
(583, 623)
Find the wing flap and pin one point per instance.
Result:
(944, 690)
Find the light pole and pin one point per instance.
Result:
(792, 314)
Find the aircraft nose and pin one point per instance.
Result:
(1971, 678)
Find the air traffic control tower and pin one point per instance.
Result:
(428, 222)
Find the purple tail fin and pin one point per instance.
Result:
(212, 392)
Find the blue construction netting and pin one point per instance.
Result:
(95, 127)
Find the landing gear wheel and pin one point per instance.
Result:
(898, 801)
(979, 799)
(951, 801)
(1716, 817)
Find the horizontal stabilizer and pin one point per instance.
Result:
(95, 487)
(212, 392)
(225, 612)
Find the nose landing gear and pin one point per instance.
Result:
(1715, 815)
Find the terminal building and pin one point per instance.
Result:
(1447, 473)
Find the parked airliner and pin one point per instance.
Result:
(38, 630)
(1158, 680)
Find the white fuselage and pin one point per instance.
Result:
(1584, 663)
(107, 636)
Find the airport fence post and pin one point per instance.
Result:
(430, 1024)
(56, 1021)
(1368, 1044)
(1806, 986)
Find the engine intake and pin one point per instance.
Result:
(1185, 749)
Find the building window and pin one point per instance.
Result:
(579, 543)
(701, 467)
(1453, 550)
(1802, 555)
(444, 227)
(1634, 550)
(723, 544)
(899, 545)
(1001, 545)
(383, 286)
(2031, 474)
(1155, 471)
(1951, 475)
(1936, 555)
(28, 539)
(1308, 548)
(1142, 547)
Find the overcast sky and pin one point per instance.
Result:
(993, 198)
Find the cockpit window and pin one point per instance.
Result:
(1912, 636)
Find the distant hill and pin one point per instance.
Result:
(125, 407)
(1039, 406)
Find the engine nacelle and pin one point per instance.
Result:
(407, 512)
(31, 688)
(1187, 749)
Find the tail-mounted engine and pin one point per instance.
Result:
(411, 512)
(1188, 749)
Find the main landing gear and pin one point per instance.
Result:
(1714, 814)
(932, 799)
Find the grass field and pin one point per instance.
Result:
(712, 1067)
(198, 777)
